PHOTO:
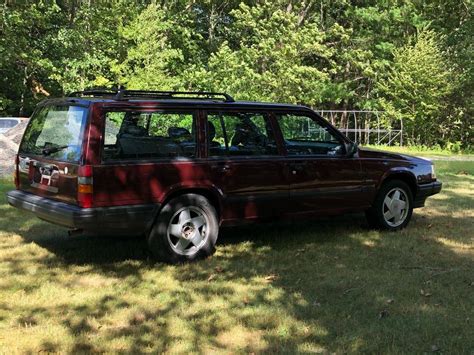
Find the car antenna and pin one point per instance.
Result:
(120, 93)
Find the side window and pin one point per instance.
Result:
(144, 135)
(305, 136)
(237, 134)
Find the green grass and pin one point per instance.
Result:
(425, 151)
(318, 286)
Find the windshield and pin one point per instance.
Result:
(56, 132)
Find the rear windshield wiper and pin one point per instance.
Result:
(51, 150)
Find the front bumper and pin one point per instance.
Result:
(131, 217)
(425, 191)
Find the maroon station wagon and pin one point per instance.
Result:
(175, 166)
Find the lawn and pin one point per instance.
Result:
(433, 153)
(318, 286)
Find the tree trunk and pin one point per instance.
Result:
(21, 110)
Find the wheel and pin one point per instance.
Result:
(393, 206)
(186, 230)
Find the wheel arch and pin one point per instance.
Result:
(212, 194)
(403, 175)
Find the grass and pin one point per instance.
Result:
(317, 286)
(425, 151)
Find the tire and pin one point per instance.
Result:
(185, 230)
(392, 208)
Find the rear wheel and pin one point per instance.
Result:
(185, 230)
(393, 206)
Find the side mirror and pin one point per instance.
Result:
(352, 149)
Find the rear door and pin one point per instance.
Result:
(51, 150)
(322, 177)
(245, 163)
(146, 154)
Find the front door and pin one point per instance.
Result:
(322, 177)
(244, 162)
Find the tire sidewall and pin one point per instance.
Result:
(158, 239)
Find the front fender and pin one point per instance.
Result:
(402, 173)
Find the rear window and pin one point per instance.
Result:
(55, 132)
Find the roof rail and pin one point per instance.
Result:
(123, 94)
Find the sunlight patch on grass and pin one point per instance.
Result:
(458, 247)
(240, 338)
(329, 285)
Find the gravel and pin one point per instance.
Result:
(9, 142)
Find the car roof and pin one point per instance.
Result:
(121, 97)
(197, 103)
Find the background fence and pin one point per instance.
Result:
(365, 127)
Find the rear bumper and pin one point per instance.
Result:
(425, 191)
(133, 217)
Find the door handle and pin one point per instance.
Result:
(221, 167)
(298, 166)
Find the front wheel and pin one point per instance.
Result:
(185, 230)
(393, 206)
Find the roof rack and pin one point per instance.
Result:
(122, 94)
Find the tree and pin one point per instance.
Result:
(162, 44)
(331, 54)
(27, 54)
(418, 84)
(271, 54)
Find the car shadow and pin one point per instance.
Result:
(332, 277)
(108, 248)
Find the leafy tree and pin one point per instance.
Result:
(93, 44)
(27, 54)
(162, 46)
(270, 54)
(331, 54)
(417, 86)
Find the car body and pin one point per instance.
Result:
(7, 123)
(121, 160)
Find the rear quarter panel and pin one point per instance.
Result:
(123, 183)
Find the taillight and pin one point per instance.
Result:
(85, 186)
(16, 177)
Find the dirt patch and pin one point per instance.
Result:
(9, 142)
(16, 132)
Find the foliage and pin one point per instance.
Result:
(326, 54)
(274, 61)
(417, 86)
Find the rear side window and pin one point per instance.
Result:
(245, 133)
(145, 135)
(56, 132)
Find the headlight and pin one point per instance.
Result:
(433, 174)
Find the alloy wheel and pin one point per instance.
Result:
(395, 207)
(187, 230)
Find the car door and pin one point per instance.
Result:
(322, 177)
(146, 154)
(245, 163)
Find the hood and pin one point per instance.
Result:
(365, 152)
